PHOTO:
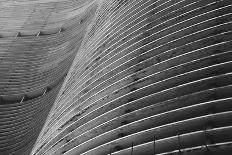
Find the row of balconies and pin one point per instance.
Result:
(151, 77)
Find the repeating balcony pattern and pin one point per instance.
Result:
(151, 77)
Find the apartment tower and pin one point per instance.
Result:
(116, 77)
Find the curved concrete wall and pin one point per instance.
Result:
(30, 17)
(20, 123)
(151, 77)
(37, 48)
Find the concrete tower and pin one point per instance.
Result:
(144, 77)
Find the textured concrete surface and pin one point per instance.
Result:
(149, 76)
(38, 42)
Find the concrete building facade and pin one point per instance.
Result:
(118, 77)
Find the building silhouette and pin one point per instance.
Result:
(116, 77)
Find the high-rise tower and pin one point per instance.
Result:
(149, 77)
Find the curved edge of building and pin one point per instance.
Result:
(151, 77)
